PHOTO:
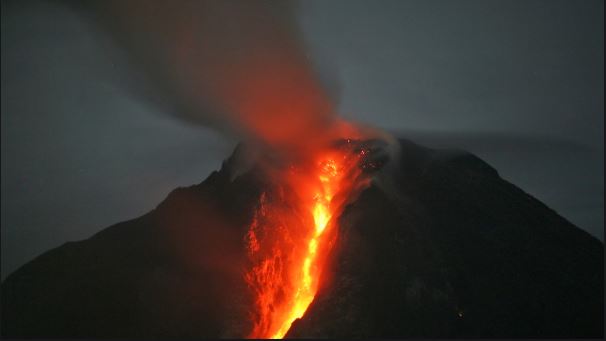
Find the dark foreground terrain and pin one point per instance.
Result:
(439, 246)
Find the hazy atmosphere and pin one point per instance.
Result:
(518, 83)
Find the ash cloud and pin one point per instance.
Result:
(238, 66)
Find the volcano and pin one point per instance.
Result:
(435, 244)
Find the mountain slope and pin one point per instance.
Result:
(439, 245)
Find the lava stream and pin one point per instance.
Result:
(287, 264)
(307, 288)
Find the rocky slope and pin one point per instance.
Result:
(439, 246)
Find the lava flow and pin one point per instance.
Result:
(292, 233)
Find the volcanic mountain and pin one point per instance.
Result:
(437, 245)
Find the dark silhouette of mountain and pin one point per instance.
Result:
(439, 246)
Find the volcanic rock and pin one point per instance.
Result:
(438, 246)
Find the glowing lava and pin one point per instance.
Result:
(288, 254)
(321, 214)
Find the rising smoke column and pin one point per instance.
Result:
(240, 66)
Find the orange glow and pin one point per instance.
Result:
(288, 260)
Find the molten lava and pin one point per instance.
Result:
(292, 233)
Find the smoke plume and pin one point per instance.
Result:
(239, 66)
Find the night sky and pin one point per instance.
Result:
(519, 83)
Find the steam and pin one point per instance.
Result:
(239, 66)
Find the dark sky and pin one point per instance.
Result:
(520, 83)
